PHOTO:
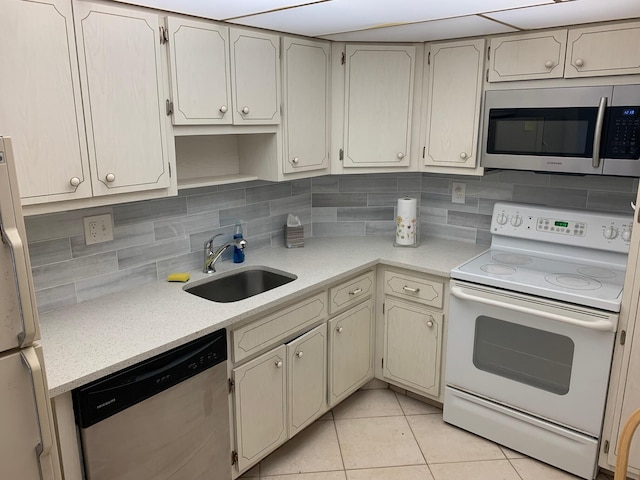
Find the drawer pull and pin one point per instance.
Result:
(356, 291)
(429, 324)
(299, 354)
(279, 364)
(339, 329)
(409, 289)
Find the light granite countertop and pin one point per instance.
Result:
(92, 339)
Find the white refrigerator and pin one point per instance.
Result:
(28, 449)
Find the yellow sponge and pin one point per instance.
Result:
(178, 277)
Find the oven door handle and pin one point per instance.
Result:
(601, 325)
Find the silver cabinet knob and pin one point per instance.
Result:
(295, 160)
(245, 110)
(429, 324)
(279, 363)
(74, 182)
(223, 109)
(299, 354)
(339, 329)
(110, 177)
(548, 64)
(463, 156)
(579, 62)
(400, 155)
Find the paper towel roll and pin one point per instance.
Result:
(406, 222)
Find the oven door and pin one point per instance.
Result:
(539, 356)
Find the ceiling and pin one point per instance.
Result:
(401, 20)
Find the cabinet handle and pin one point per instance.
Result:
(400, 155)
(429, 324)
(223, 109)
(74, 182)
(295, 160)
(409, 289)
(245, 110)
(356, 291)
(279, 364)
(579, 62)
(299, 354)
(548, 64)
(339, 329)
(463, 156)
(110, 177)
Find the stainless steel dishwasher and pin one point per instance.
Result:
(164, 418)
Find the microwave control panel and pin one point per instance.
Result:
(623, 133)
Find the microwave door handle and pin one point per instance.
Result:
(597, 137)
(600, 325)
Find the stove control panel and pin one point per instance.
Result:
(579, 228)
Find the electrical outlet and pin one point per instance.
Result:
(458, 192)
(98, 229)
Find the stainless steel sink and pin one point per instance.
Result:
(236, 286)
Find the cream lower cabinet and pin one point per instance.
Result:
(351, 347)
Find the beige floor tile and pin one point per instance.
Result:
(411, 406)
(374, 383)
(512, 453)
(484, 470)
(377, 442)
(315, 449)
(252, 473)
(308, 476)
(441, 442)
(327, 416)
(530, 469)
(414, 472)
(369, 403)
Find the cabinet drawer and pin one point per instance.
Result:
(350, 292)
(421, 290)
(269, 330)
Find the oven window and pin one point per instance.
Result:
(527, 355)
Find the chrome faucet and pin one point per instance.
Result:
(211, 256)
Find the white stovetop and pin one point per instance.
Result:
(87, 341)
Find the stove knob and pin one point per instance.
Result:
(626, 235)
(501, 219)
(610, 233)
(516, 221)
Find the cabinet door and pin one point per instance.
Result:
(306, 105)
(255, 76)
(453, 103)
(350, 351)
(200, 77)
(260, 406)
(307, 378)
(412, 346)
(378, 105)
(123, 92)
(604, 50)
(40, 104)
(527, 57)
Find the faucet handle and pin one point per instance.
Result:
(209, 242)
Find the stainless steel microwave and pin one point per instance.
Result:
(584, 130)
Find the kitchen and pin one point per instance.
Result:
(172, 229)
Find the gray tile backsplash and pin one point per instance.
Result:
(156, 237)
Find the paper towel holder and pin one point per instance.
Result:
(407, 230)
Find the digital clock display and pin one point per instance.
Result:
(629, 112)
(561, 224)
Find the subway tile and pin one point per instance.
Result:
(516, 176)
(209, 202)
(287, 204)
(185, 225)
(59, 225)
(339, 200)
(435, 185)
(380, 228)
(451, 232)
(368, 183)
(338, 229)
(493, 190)
(186, 192)
(268, 192)
(389, 199)
(261, 226)
(100, 286)
(229, 216)
(560, 197)
(257, 242)
(465, 219)
(278, 221)
(435, 200)
(324, 214)
(433, 215)
(73, 270)
(149, 210)
(188, 262)
(611, 202)
(277, 238)
(56, 297)
(346, 214)
(483, 237)
(197, 240)
(123, 237)
(593, 182)
(300, 187)
(243, 185)
(409, 183)
(50, 251)
(485, 205)
(144, 254)
(325, 184)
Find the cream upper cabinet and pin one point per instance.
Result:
(306, 89)
(527, 57)
(604, 50)
(40, 103)
(255, 75)
(378, 104)
(200, 74)
(453, 103)
(122, 82)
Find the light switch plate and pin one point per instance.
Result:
(458, 192)
(98, 229)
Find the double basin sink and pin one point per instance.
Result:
(235, 286)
